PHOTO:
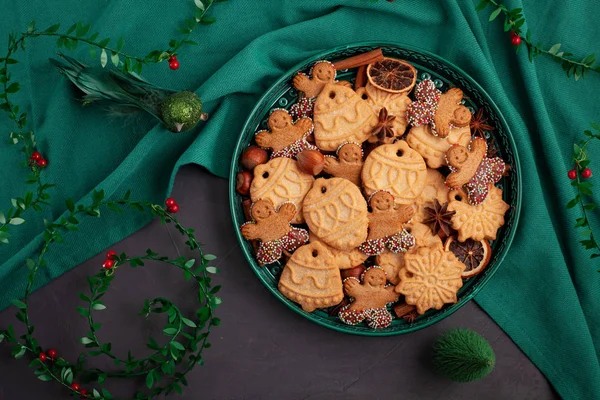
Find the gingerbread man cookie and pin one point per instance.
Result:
(440, 110)
(322, 73)
(473, 170)
(348, 164)
(274, 231)
(370, 299)
(386, 226)
(285, 137)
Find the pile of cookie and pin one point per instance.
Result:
(372, 194)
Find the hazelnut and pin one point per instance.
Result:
(355, 272)
(242, 182)
(311, 162)
(253, 156)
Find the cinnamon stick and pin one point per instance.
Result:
(361, 77)
(370, 57)
(402, 309)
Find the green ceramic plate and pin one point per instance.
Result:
(282, 95)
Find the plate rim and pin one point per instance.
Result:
(232, 193)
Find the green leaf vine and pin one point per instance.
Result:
(164, 370)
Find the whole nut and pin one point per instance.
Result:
(253, 156)
(242, 182)
(311, 162)
(355, 272)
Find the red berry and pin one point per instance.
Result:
(173, 209)
(75, 386)
(174, 65)
(43, 357)
(170, 202)
(36, 155)
(52, 354)
(513, 34)
(83, 393)
(111, 255)
(586, 173)
(572, 174)
(42, 163)
(172, 58)
(108, 264)
(516, 40)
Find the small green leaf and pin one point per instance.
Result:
(177, 345)
(170, 331)
(96, 394)
(190, 263)
(2, 218)
(16, 221)
(482, 4)
(207, 20)
(103, 58)
(99, 307)
(70, 204)
(1, 337)
(30, 264)
(13, 88)
(53, 28)
(150, 379)
(44, 378)
(20, 353)
(494, 14)
(19, 304)
(201, 6)
(573, 202)
(590, 207)
(71, 29)
(189, 322)
(120, 43)
(114, 57)
(554, 49)
(86, 340)
(107, 395)
(209, 257)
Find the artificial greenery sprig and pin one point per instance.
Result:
(584, 189)
(187, 336)
(514, 20)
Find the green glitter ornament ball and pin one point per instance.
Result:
(181, 111)
(463, 355)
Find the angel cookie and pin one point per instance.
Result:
(386, 226)
(274, 231)
(348, 164)
(370, 299)
(285, 137)
(440, 110)
(473, 170)
(321, 74)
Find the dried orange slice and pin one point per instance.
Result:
(392, 75)
(475, 254)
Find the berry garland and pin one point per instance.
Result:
(513, 22)
(161, 366)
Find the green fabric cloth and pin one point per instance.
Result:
(545, 295)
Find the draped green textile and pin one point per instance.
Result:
(546, 294)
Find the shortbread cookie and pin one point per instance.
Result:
(481, 221)
(281, 181)
(432, 148)
(395, 103)
(348, 164)
(336, 212)
(431, 278)
(311, 278)
(435, 188)
(386, 228)
(274, 231)
(341, 116)
(396, 168)
(473, 170)
(370, 299)
(344, 259)
(285, 137)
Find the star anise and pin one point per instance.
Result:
(478, 124)
(410, 317)
(439, 217)
(384, 128)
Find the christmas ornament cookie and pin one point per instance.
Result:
(473, 170)
(431, 278)
(321, 74)
(348, 164)
(392, 263)
(440, 110)
(285, 137)
(435, 189)
(311, 278)
(396, 168)
(336, 212)
(344, 259)
(369, 299)
(280, 180)
(341, 116)
(386, 228)
(395, 104)
(274, 231)
(432, 148)
(481, 221)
